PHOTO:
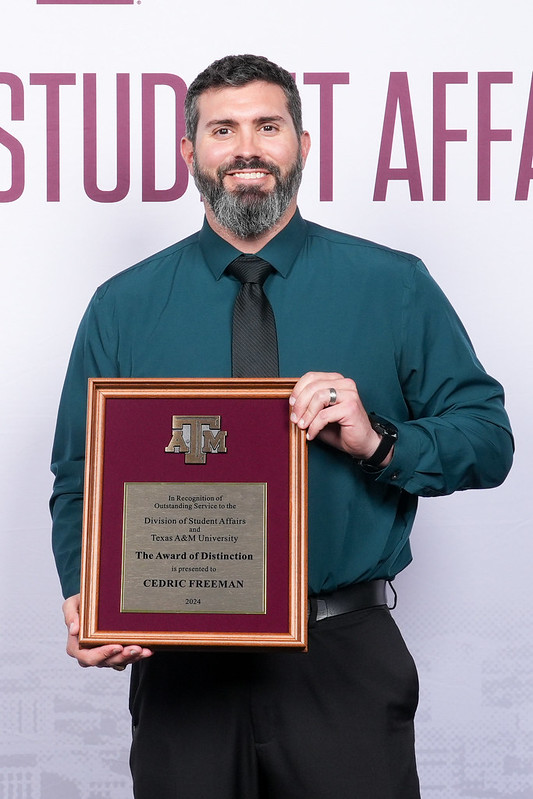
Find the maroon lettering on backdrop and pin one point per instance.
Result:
(398, 120)
(525, 171)
(150, 84)
(52, 81)
(486, 134)
(9, 141)
(90, 149)
(442, 134)
(398, 97)
(181, 177)
(84, 2)
(326, 81)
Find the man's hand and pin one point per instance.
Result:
(345, 424)
(111, 656)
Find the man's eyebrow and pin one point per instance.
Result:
(264, 120)
(214, 122)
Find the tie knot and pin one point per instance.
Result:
(250, 269)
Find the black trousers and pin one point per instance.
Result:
(335, 722)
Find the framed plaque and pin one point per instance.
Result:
(195, 515)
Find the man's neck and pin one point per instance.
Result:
(251, 245)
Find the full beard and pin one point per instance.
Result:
(248, 211)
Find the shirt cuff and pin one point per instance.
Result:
(405, 457)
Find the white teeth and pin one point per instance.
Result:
(249, 175)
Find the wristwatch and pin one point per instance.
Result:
(389, 437)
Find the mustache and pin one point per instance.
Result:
(248, 163)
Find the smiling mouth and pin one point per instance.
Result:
(248, 175)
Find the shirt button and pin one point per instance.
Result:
(394, 476)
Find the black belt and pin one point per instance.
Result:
(354, 597)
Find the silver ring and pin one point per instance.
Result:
(332, 396)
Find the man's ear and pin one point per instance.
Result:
(187, 153)
(305, 143)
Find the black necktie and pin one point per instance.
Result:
(254, 343)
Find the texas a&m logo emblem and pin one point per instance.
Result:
(196, 436)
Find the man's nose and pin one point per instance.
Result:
(247, 144)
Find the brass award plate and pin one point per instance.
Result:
(195, 515)
(213, 537)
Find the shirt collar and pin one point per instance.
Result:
(281, 251)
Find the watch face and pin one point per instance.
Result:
(384, 429)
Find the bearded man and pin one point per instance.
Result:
(368, 330)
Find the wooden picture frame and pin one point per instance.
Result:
(195, 515)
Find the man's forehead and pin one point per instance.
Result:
(261, 97)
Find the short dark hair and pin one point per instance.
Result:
(238, 70)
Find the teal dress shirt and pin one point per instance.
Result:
(341, 304)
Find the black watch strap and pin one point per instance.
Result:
(389, 437)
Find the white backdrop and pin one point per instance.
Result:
(465, 605)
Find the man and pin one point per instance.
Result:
(370, 332)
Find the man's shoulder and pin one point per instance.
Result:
(143, 272)
(359, 249)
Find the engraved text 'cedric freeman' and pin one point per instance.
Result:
(195, 436)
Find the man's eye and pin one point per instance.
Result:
(222, 131)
